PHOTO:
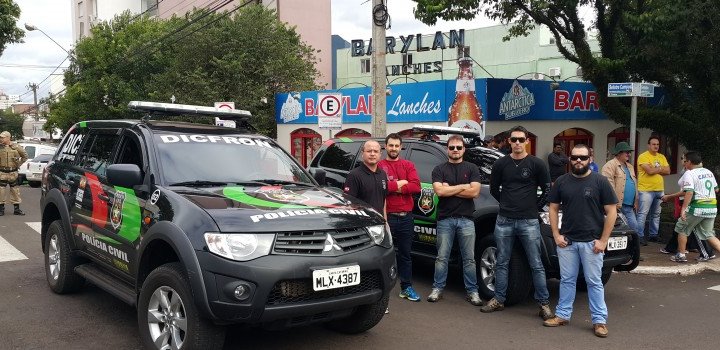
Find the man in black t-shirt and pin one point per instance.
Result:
(456, 183)
(519, 175)
(589, 209)
(368, 182)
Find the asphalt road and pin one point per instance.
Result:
(646, 312)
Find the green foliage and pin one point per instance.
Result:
(12, 123)
(9, 32)
(241, 58)
(670, 42)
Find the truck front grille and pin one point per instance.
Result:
(324, 242)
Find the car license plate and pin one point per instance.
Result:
(617, 243)
(336, 277)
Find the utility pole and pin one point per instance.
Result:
(34, 87)
(379, 74)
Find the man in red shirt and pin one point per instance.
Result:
(403, 182)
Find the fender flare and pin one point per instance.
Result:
(178, 240)
(56, 197)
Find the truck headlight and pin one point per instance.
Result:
(239, 247)
(379, 235)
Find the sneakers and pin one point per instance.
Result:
(600, 330)
(492, 306)
(679, 258)
(474, 298)
(545, 312)
(435, 295)
(665, 251)
(643, 242)
(653, 239)
(410, 294)
(702, 258)
(555, 322)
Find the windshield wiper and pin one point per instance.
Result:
(284, 182)
(199, 183)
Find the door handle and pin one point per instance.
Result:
(104, 197)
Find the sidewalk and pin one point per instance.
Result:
(656, 263)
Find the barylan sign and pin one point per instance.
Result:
(455, 38)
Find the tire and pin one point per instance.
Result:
(34, 184)
(582, 286)
(364, 318)
(60, 262)
(168, 283)
(519, 275)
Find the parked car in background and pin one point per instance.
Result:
(33, 149)
(32, 169)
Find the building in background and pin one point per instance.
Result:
(7, 101)
(523, 81)
(311, 19)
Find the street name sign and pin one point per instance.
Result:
(631, 89)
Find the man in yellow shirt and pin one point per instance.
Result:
(651, 167)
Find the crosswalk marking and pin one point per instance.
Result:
(8, 252)
(717, 288)
(35, 225)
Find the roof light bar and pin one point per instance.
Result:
(446, 130)
(158, 107)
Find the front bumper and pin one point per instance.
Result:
(280, 289)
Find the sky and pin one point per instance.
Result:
(36, 58)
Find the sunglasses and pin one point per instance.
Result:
(453, 148)
(518, 139)
(576, 158)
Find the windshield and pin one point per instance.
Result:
(226, 159)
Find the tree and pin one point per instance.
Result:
(12, 123)
(9, 32)
(243, 58)
(670, 42)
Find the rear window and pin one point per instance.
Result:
(340, 155)
(42, 158)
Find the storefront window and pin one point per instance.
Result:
(568, 138)
(621, 134)
(669, 148)
(352, 133)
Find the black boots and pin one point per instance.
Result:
(17, 210)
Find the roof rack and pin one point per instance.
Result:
(240, 117)
(471, 136)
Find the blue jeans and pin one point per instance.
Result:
(528, 233)
(401, 228)
(447, 230)
(571, 258)
(629, 213)
(649, 204)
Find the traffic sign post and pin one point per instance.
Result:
(633, 90)
(329, 111)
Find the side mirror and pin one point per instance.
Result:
(124, 175)
(318, 175)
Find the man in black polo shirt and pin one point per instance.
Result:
(519, 174)
(368, 182)
(456, 183)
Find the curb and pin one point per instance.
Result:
(682, 270)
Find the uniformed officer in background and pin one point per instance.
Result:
(11, 157)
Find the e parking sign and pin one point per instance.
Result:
(329, 111)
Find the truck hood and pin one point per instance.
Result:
(280, 208)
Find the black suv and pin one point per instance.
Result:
(338, 156)
(200, 226)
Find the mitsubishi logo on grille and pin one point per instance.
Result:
(330, 244)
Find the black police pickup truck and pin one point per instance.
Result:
(201, 226)
(338, 156)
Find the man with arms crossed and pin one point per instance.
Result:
(651, 166)
(519, 175)
(589, 210)
(456, 183)
(403, 182)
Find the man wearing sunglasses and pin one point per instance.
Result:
(456, 183)
(514, 183)
(589, 207)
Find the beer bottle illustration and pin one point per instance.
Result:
(465, 111)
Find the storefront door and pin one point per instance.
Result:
(303, 144)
